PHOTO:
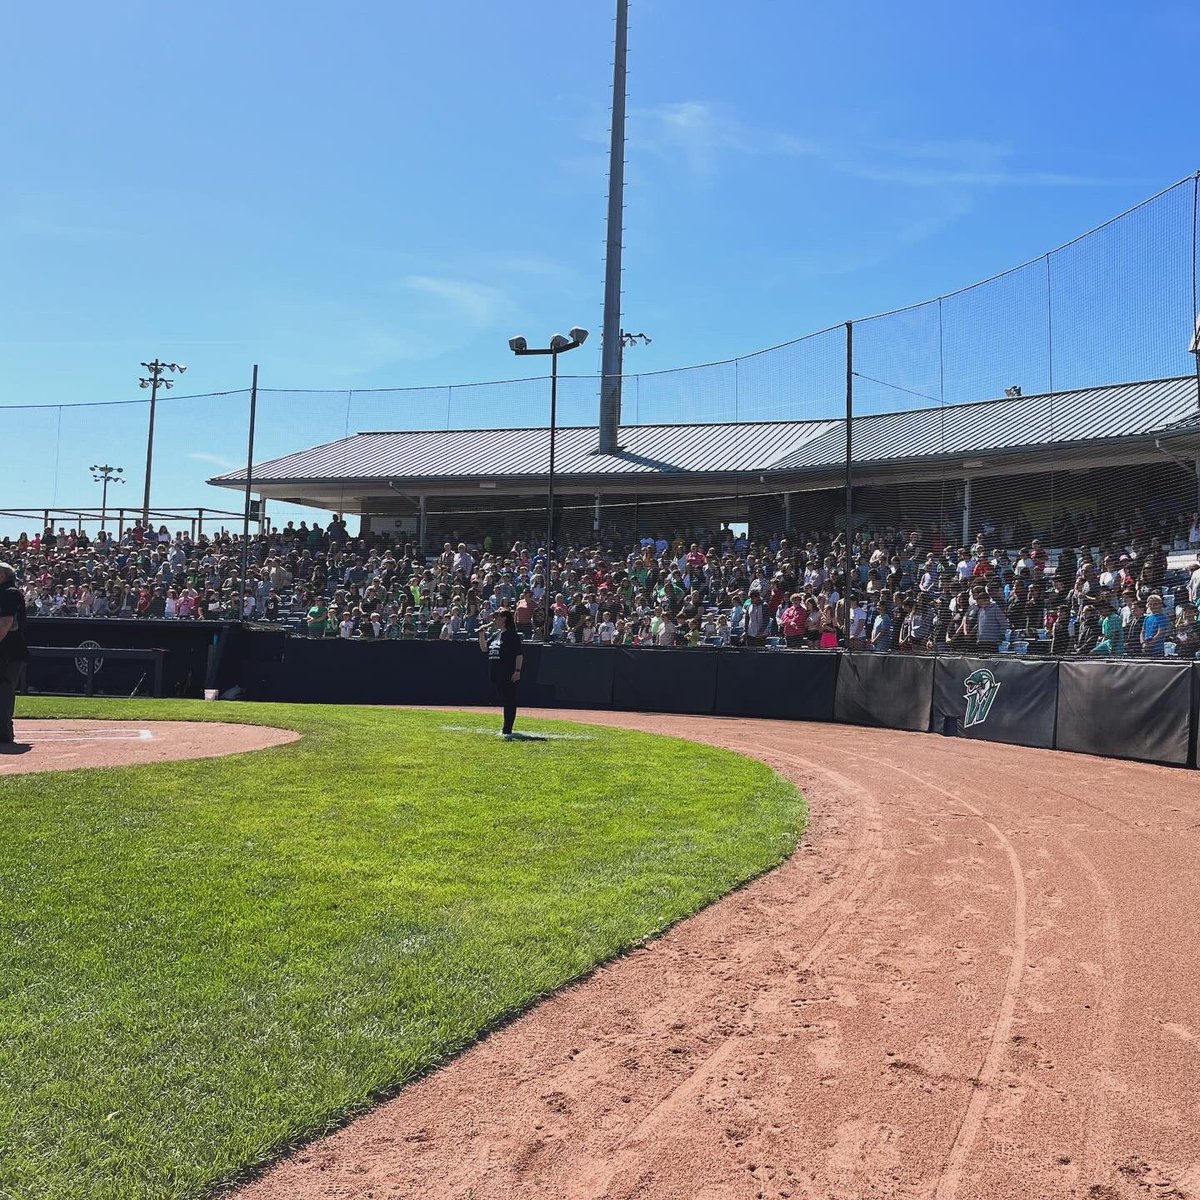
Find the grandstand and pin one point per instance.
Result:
(997, 458)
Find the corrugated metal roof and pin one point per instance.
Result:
(646, 449)
(1088, 415)
(1091, 414)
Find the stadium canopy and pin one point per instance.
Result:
(378, 472)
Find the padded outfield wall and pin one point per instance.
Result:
(1122, 709)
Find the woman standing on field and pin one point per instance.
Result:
(502, 644)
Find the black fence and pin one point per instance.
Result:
(1118, 709)
(197, 655)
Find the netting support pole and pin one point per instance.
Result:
(422, 524)
(848, 597)
(249, 482)
(966, 511)
(548, 616)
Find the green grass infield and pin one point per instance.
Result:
(205, 963)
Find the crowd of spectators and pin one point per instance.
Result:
(910, 591)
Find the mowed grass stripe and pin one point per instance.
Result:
(204, 963)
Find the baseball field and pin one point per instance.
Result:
(332, 966)
(209, 961)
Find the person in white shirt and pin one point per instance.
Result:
(606, 631)
(858, 623)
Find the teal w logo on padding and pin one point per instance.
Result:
(981, 688)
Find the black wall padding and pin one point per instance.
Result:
(679, 681)
(337, 671)
(889, 690)
(184, 667)
(1126, 709)
(1017, 704)
(793, 684)
(1194, 755)
(567, 677)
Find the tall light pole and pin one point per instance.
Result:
(154, 382)
(558, 345)
(610, 343)
(106, 475)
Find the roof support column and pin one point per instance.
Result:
(787, 514)
(596, 515)
(422, 526)
(966, 528)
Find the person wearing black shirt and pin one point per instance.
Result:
(13, 653)
(503, 648)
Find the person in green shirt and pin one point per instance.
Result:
(318, 615)
(1112, 633)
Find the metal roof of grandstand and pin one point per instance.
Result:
(1025, 422)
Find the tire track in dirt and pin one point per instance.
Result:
(984, 1080)
(847, 906)
(1097, 1120)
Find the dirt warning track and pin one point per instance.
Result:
(977, 977)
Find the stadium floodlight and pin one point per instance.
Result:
(155, 371)
(1013, 393)
(559, 344)
(105, 475)
(1194, 348)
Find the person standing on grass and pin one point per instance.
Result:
(13, 653)
(502, 644)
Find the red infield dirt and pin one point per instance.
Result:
(977, 977)
(64, 745)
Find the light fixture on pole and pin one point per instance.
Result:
(559, 344)
(154, 381)
(106, 475)
(628, 339)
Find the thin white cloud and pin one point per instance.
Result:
(964, 162)
(701, 131)
(479, 303)
(212, 460)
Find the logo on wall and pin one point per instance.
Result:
(81, 663)
(981, 688)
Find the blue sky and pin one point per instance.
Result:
(379, 194)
